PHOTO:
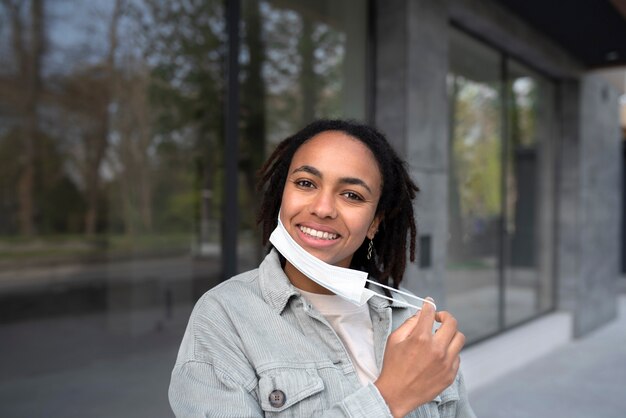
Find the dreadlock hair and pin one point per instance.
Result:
(395, 206)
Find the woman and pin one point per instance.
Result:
(274, 342)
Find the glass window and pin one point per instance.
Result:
(500, 250)
(529, 190)
(475, 192)
(300, 61)
(109, 198)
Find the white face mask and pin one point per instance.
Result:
(344, 282)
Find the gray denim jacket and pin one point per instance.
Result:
(254, 347)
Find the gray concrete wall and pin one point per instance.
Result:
(589, 206)
(411, 108)
(391, 69)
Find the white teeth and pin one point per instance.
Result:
(318, 234)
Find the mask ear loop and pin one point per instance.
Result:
(402, 293)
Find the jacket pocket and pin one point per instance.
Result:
(290, 390)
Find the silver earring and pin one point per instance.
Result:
(370, 248)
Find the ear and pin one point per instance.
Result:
(373, 229)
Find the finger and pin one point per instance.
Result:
(457, 343)
(426, 319)
(448, 328)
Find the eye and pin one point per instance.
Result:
(305, 184)
(352, 196)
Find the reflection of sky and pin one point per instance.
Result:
(77, 33)
(523, 88)
(523, 85)
(5, 39)
(77, 36)
(282, 32)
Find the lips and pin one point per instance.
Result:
(323, 235)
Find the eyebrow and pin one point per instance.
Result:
(344, 180)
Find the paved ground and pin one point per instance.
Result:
(79, 367)
(586, 378)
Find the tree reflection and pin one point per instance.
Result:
(27, 49)
(128, 125)
(113, 112)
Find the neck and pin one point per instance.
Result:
(302, 282)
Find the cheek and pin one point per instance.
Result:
(286, 198)
(288, 204)
(362, 227)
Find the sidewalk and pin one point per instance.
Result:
(585, 378)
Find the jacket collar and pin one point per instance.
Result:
(277, 289)
(275, 285)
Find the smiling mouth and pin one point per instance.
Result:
(318, 234)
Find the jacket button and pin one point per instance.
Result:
(277, 398)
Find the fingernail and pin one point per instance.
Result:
(430, 299)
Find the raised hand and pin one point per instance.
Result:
(418, 365)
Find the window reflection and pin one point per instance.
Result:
(300, 61)
(500, 249)
(529, 192)
(110, 173)
(472, 279)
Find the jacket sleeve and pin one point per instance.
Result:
(199, 389)
(365, 402)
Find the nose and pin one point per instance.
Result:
(323, 205)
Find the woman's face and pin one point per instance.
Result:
(331, 195)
